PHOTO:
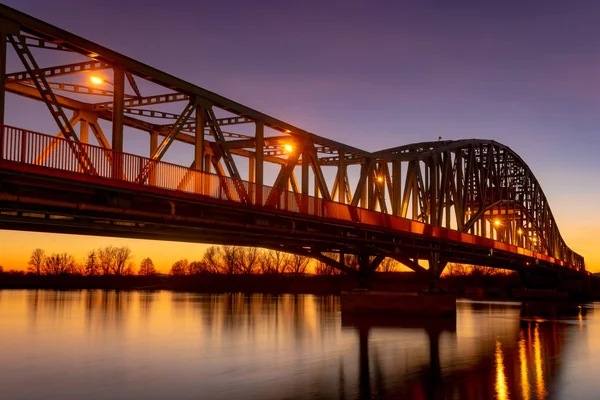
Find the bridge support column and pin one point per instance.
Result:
(436, 266)
(117, 121)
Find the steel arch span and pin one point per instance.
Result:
(248, 178)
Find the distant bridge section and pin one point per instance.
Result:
(243, 177)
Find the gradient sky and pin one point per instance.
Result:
(375, 74)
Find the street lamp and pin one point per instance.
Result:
(99, 81)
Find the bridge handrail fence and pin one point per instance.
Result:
(38, 149)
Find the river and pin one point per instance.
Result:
(164, 345)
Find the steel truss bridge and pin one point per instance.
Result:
(252, 179)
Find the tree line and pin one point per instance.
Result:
(226, 260)
(109, 260)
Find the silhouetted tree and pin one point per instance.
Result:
(265, 263)
(297, 264)
(232, 259)
(324, 269)
(455, 269)
(58, 264)
(350, 260)
(147, 267)
(107, 259)
(249, 259)
(36, 261)
(213, 260)
(388, 265)
(180, 267)
(279, 262)
(130, 269)
(1, 269)
(121, 258)
(483, 271)
(197, 267)
(92, 265)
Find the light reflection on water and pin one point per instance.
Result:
(158, 345)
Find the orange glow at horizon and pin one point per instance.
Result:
(16, 247)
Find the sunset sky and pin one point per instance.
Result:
(373, 74)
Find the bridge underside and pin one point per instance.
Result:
(31, 202)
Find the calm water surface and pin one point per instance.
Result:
(163, 345)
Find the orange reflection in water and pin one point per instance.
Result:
(501, 387)
(524, 368)
(539, 364)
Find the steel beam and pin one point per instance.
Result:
(259, 171)
(59, 70)
(199, 144)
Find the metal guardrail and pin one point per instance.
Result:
(26, 147)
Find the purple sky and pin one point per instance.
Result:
(377, 74)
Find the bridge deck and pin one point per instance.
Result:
(21, 150)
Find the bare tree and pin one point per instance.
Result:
(58, 264)
(279, 261)
(231, 259)
(249, 259)
(130, 269)
(477, 270)
(324, 269)
(180, 267)
(213, 260)
(147, 267)
(106, 256)
(388, 265)
(297, 264)
(121, 258)
(455, 269)
(75, 268)
(351, 261)
(196, 267)
(92, 264)
(265, 263)
(36, 261)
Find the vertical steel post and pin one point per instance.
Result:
(199, 147)
(370, 188)
(84, 131)
(2, 79)
(2, 88)
(305, 169)
(117, 121)
(84, 134)
(259, 138)
(199, 143)
(396, 187)
(342, 177)
(153, 147)
(251, 178)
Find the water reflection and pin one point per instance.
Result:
(154, 345)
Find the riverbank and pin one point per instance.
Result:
(498, 287)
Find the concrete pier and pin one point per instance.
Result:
(415, 304)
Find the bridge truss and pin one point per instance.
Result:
(472, 201)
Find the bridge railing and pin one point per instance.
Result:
(51, 153)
